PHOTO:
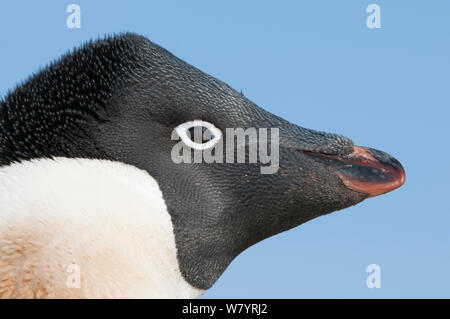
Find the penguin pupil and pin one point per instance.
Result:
(203, 138)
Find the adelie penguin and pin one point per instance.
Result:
(93, 206)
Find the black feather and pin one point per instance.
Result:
(49, 114)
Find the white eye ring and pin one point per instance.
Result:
(182, 131)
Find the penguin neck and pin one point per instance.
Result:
(54, 112)
(90, 229)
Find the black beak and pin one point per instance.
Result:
(365, 170)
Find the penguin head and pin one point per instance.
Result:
(122, 98)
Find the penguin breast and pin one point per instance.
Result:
(78, 228)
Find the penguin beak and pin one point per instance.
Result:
(365, 170)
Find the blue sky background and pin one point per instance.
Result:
(316, 64)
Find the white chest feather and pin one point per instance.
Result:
(78, 228)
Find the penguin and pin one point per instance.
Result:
(94, 206)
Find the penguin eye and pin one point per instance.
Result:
(199, 135)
